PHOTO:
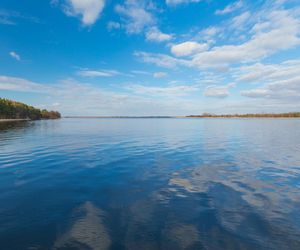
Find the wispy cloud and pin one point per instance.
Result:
(281, 29)
(159, 74)
(14, 55)
(8, 17)
(230, 8)
(161, 60)
(218, 91)
(113, 25)
(168, 91)
(136, 15)
(284, 89)
(259, 72)
(176, 2)
(282, 35)
(97, 73)
(22, 85)
(76, 98)
(140, 72)
(281, 81)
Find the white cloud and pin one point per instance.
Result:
(230, 8)
(14, 55)
(140, 72)
(188, 48)
(209, 32)
(169, 91)
(283, 89)
(175, 2)
(259, 72)
(280, 81)
(113, 25)
(282, 35)
(154, 34)
(161, 59)
(271, 30)
(72, 97)
(21, 85)
(136, 16)
(218, 91)
(97, 73)
(88, 10)
(8, 17)
(75, 98)
(239, 21)
(159, 74)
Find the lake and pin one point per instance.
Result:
(150, 184)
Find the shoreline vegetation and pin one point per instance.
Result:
(205, 115)
(17, 111)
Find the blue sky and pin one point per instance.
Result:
(146, 57)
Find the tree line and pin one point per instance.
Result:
(16, 110)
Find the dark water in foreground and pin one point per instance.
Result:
(150, 184)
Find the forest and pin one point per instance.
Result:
(16, 110)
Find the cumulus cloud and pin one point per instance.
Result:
(87, 10)
(230, 8)
(188, 48)
(270, 31)
(175, 2)
(218, 91)
(135, 15)
(97, 73)
(14, 55)
(154, 34)
(159, 74)
(282, 35)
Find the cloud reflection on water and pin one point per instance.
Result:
(86, 232)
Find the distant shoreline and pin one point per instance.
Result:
(157, 117)
(176, 117)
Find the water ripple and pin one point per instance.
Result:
(150, 184)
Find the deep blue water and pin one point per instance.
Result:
(150, 184)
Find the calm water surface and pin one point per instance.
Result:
(150, 184)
